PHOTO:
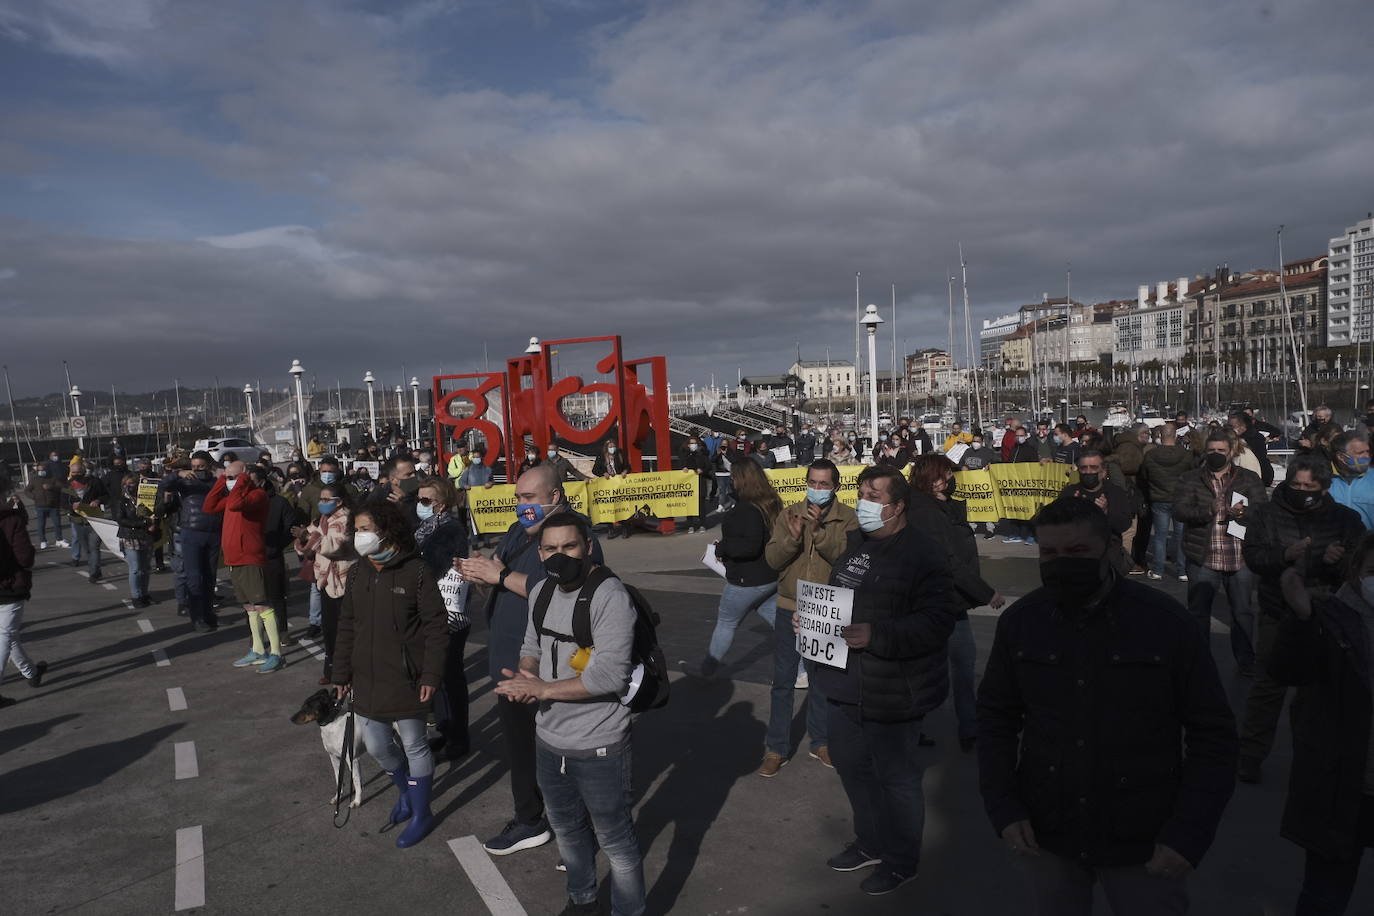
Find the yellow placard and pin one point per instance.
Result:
(791, 484)
(668, 494)
(979, 493)
(1014, 491)
(493, 508)
(147, 494)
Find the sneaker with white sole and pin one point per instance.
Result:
(517, 836)
(772, 762)
(1154, 575)
(1183, 578)
(270, 663)
(822, 754)
(883, 881)
(852, 859)
(252, 658)
(42, 545)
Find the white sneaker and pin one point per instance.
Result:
(42, 545)
(803, 682)
(63, 544)
(1183, 578)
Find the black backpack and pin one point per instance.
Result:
(649, 687)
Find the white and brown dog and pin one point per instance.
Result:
(322, 709)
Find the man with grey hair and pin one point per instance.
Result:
(1353, 485)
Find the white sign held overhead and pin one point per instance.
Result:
(825, 610)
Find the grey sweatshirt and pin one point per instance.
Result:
(580, 728)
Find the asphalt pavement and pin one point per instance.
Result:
(147, 775)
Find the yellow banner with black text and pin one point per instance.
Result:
(667, 494)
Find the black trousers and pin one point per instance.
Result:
(517, 728)
(453, 722)
(329, 624)
(275, 575)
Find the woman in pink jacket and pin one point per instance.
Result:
(330, 545)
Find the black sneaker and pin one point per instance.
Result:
(709, 667)
(183, 611)
(1249, 770)
(884, 881)
(313, 631)
(94, 580)
(39, 669)
(852, 859)
(578, 909)
(517, 836)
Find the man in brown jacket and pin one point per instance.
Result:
(808, 537)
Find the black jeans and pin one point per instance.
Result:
(517, 728)
(453, 720)
(200, 559)
(274, 574)
(1328, 883)
(329, 624)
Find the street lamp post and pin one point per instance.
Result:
(76, 412)
(297, 370)
(248, 398)
(871, 320)
(415, 402)
(371, 405)
(400, 413)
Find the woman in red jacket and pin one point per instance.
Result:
(245, 506)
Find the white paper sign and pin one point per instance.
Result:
(782, 454)
(1234, 529)
(451, 588)
(108, 532)
(957, 452)
(711, 561)
(824, 610)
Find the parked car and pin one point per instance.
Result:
(218, 447)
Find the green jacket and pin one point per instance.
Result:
(811, 556)
(1163, 466)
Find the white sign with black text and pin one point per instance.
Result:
(824, 610)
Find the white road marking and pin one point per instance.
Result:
(146, 626)
(312, 647)
(485, 877)
(190, 884)
(107, 586)
(186, 765)
(176, 699)
(160, 656)
(82, 573)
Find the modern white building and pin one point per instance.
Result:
(1350, 285)
(990, 339)
(825, 378)
(1153, 330)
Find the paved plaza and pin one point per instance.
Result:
(147, 775)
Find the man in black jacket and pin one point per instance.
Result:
(896, 672)
(1304, 529)
(1114, 502)
(198, 536)
(1094, 687)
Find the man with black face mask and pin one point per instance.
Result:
(1094, 687)
(1205, 502)
(198, 535)
(1304, 529)
(583, 754)
(1114, 502)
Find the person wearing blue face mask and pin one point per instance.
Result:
(443, 542)
(806, 540)
(326, 546)
(331, 474)
(513, 571)
(1353, 485)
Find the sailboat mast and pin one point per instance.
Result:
(968, 339)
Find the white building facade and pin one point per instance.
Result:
(825, 378)
(1350, 286)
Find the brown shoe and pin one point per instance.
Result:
(771, 764)
(823, 755)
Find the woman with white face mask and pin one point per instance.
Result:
(390, 652)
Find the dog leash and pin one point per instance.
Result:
(345, 766)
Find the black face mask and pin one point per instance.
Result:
(1074, 580)
(1369, 419)
(1215, 461)
(1302, 500)
(202, 475)
(410, 486)
(950, 486)
(1090, 481)
(568, 572)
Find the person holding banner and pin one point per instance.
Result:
(935, 512)
(136, 528)
(751, 584)
(896, 671)
(694, 460)
(86, 494)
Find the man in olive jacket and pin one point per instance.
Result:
(808, 537)
(1106, 745)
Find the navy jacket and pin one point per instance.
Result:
(189, 499)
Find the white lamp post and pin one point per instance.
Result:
(400, 413)
(871, 320)
(76, 412)
(248, 398)
(371, 405)
(415, 401)
(297, 370)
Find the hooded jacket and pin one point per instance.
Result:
(16, 555)
(810, 557)
(392, 637)
(1281, 522)
(245, 517)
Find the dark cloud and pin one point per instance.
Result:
(710, 198)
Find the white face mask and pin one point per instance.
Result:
(692, 446)
(870, 515)
(366, 543)
(612, 450)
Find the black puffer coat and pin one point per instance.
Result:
(1326, 658)
(1083, 717)
(906, 595)
(947, 523)
(392, 619)
(1278, 524)
(1196, 506)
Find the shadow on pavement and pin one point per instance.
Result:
(20, 735)
(40, 783)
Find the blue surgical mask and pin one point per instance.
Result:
(328, 477)
(424, 512)
(819, 497)
(531, 514)
(870, 515)
(552, 453)
(1358, 465)
(327, 506)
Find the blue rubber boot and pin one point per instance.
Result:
(401, 812)
(420, 789)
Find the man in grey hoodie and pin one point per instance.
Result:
(582, 729)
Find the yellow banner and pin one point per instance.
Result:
(668, 494)
(979, 493)
(493, 509)
(147, 495)
(1015, 491)
(791, 484)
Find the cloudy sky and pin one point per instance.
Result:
(196, 189)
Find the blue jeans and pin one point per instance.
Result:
(140, 562)
(43, 516)
(1163, 526)
(316, 608)
(963, 664)
(587, 802)
(785, 661)
(380, 739)
(200, 557)
(881, 765)
(1203, 584)
(735, 604)
(11, 619)
(179, 573)
(85, 542)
